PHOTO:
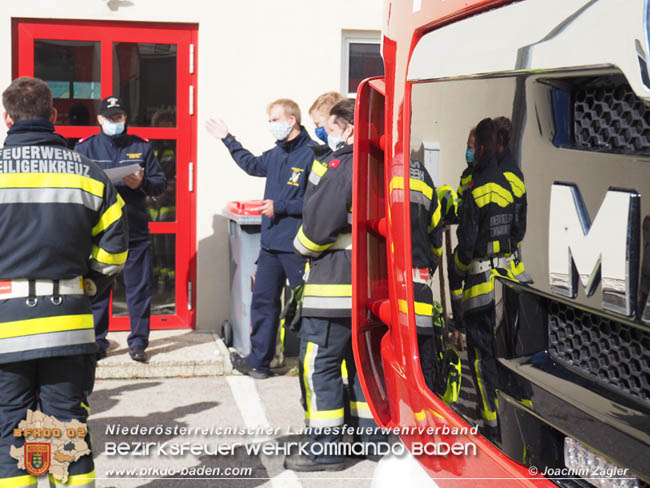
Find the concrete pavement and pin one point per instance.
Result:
(210, 403)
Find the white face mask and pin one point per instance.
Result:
(111, 128)
(280, 129)
(334, 141)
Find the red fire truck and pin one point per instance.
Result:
(573, 346)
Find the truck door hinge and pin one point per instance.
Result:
(191, 59)
(189, 295)
(190, 183)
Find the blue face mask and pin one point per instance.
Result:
(321, 133)
(111, 128)
(469, 156)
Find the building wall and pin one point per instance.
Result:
(250, 52)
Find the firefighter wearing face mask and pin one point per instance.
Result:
(325, 335)
(319, 113)
(286, 169)
(485, 242)
(111, 148)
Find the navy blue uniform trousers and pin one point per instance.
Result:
(324, 344)
(273, 268)
(138, 278)
(62, 384)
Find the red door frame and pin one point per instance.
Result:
(25, 31)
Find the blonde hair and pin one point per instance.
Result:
(326, 101)
(290, 107)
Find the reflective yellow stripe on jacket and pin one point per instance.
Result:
(307, 247)
(492, 193)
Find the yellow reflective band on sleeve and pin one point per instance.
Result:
(496, 247)
(492, 193)
(45, 325)
(312, 246)
(422, 187)
(397, 183)
(458, 292)
(518, 187)
(107, 258)
(110, 216)
(403, 306)
(26, 481)
(437, 251)
(52, 180)
(422, 308)
(435, 218)
(464, 182)
(319, 168)
(459, 264)
(328, 290)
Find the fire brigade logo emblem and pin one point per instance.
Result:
(37, 457)
(295, 177)
(113, 102)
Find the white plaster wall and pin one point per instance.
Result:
(249, 53)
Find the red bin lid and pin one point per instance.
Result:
(249, 207)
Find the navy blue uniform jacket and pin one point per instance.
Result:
(286, 168)
(112, 151)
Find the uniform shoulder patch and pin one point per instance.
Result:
(334, 163)
(84, 139)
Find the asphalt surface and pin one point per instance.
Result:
(210, 403)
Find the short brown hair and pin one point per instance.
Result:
(486, 136)
(504, 129)
(290, 107)
(344, 111)
(27, 98)
(326, 101)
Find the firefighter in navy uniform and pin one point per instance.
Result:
(485, 244)
(441, 368)
(456, 285)
(60, 220)
(286, 169)
(111, 148)
(511, 170)
(325, 333)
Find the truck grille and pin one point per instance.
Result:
(614, 354)
(609, 117)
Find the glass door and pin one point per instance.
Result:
(151, 67)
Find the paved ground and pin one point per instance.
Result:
(204, 403)
(188, 383)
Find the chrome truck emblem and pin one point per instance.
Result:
(603, 251)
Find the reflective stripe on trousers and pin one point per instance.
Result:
(26, 481)
(313, 416)
(86, 480)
